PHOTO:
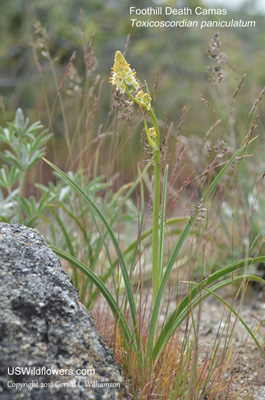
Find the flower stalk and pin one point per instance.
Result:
(125, 81)
(156, 207)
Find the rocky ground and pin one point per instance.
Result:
(248, 372)
(248, 364)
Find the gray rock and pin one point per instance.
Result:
(46, 329)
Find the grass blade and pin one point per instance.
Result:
(155, 312)
(138, 240)
(181, 312)
(191, 304)
(103, 289)
(162, 224)
(96, 210)
(64, 231)
(248, 277)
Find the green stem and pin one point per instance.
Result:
(156, 274)
(156, 206)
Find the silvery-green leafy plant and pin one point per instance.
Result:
(56, 203)
(22, 146)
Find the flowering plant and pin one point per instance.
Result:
(126, 82)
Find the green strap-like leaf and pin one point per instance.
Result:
(96, 210)
(103, 289)
(181, 312)
(155, 312)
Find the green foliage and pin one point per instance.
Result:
(207, 287)
(171, 326)
(148, 353)
(64, 213)
(101, 230)
(74, 229)
(28, 145)
(180, 52)
(23, 146)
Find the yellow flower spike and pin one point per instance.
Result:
(122, 74)
(124, 78)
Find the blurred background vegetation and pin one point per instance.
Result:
(179, 53)
(39, 37)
